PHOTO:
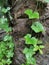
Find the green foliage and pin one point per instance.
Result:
(37, 27)
(29, 53)
(30, 40)
(7, 38)
(4, 24)
(6, 45)
(6, 51)
(34, 43)
(32, 14)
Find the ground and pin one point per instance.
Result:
(21, 26)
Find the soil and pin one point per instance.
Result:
(21, 26)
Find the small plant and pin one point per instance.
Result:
(34, 43)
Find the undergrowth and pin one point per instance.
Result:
(6, 45)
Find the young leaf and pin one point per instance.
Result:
(35, 15)
(34, 40)
(31, 60)
(29, 40)
(31, 14)
(37, 27)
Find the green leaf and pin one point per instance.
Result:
(10, 54)
(7, 38)
(37, 27)
(9, 61)
(8, 29)
(28, 51)
(29, 40)
(25, 50)
(28, 54)
(28, 12)
(10, 45)
(31, 60)
(36, 48)
(34, 40)
(4, 25)
(35, 15)
(32, 14)
(41, 46)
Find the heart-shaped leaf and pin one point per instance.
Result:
(32, 14)
(37, 27)
(30, 40)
